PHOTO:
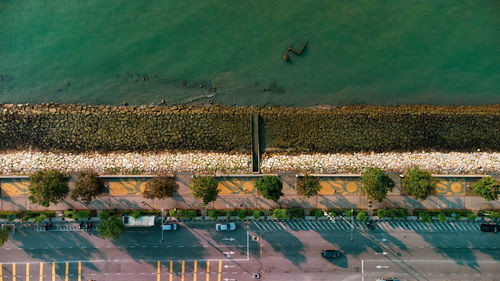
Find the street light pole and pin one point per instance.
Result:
(162, 214)
(352, 224)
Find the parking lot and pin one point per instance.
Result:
(385, 226)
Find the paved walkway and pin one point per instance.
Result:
(337, 192)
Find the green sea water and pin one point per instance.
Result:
(359, 51)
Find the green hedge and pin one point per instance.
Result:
(219, 128)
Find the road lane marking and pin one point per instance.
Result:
(158, 271)
(27, 271)
(79, 271)
(1, 272)
(182, 274)
(208, 270)
(13, 272)
(67, 273)
(220, 271)
(195, 269)
(171, 275)
(41, 271)
(54, 271)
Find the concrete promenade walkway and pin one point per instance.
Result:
(239, 191)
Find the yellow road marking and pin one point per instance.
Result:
(53, 271)
(79, 271)
(195, 266)
(182, 274)
(13, 272)
(67, 267)
(171, 271)
(28, 271)
(1, 272)
(41, 271)
(220, 269)
(158, 278)
(208, 270)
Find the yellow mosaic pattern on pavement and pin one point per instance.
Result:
(14, 187)
(236, 185)
(126, 186)
(453, 186)
(340, 185)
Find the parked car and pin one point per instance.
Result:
(331, 253)
(489, 227)
(169, 227)
(388, 279)
(225, 226)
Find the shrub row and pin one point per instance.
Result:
(219, 128)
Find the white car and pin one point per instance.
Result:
(225, 226)
(169, 227)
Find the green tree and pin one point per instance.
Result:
(204, 188)
(362, 216)
(376, 184)
(487, 187)
(160, 187)
(270, 187)
(111, 228)
(419, 183)
(309, 186)
(49, 186)
(87, 187)
(4, 235)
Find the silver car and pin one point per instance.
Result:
(225, 226)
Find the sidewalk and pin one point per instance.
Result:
(239, 191)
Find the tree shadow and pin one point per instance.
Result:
(56, 247)
(288, 245)
(10, 201)
(464, 256)
(442, 202)
(144, 243)
(340, 202)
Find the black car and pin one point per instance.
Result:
(330, 253)
(489, 227)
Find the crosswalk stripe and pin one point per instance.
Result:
(158, 271)
(220, 271)
(183, 268)
(208, 271)
(195, 270)
(79, 271)
(41, 271)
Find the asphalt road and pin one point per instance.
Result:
(197, 252)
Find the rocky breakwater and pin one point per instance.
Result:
(103, 128)
(436, 162)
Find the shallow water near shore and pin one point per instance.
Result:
(366, 51)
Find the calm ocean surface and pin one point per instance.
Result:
(359, 51)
